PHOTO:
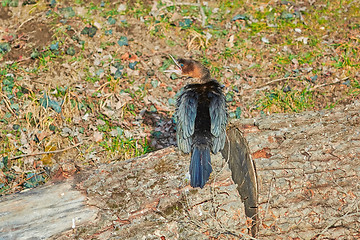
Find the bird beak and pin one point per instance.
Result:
(177, 71)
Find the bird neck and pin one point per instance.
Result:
(205, 76)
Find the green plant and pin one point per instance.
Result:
(280, 101)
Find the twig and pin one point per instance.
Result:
(40, 153)
(102, 86)
(274, 81)
(336, 220)
(203, 16)
(8, 106)
(326, 84)
(28, 20)
(339, 218)
(269, 196)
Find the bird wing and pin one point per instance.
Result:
(185, 115)
(218, 115)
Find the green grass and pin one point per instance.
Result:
(125, 148)
(280, 101)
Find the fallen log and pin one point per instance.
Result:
(307, 168)
(290, 176)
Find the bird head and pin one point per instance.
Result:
(190, 68)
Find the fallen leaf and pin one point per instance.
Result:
(125, 56)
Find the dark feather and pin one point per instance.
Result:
(185, 116)
(200, 166)
(218, 115)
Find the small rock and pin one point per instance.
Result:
(65, 132)
(121, 8)
(128, 134)
(97, 136)
(113, 69)
(85, 117)
(302, 39)
(265, 40)
(97, 62)
(114, 133)
(97, 25)
(133, 72)
(295, 62)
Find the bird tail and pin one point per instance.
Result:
(200, 165)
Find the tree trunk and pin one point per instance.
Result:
(298, 176)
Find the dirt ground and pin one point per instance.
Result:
(82, 83)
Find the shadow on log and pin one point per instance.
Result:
(306, 185)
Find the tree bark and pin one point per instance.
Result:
(289, 176)
(307, 168)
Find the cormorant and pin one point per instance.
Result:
(201, 118)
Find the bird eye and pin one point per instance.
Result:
(181, 65)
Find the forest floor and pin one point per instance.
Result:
(82, 82)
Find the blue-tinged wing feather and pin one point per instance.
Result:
(185, 115)
(218, 115)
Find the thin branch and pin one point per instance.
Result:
(338, 219)
(50, 152)
(28, 20)
(326, 84)
(287, 78)
(274, 81)
(7, 104)
(203, 16)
